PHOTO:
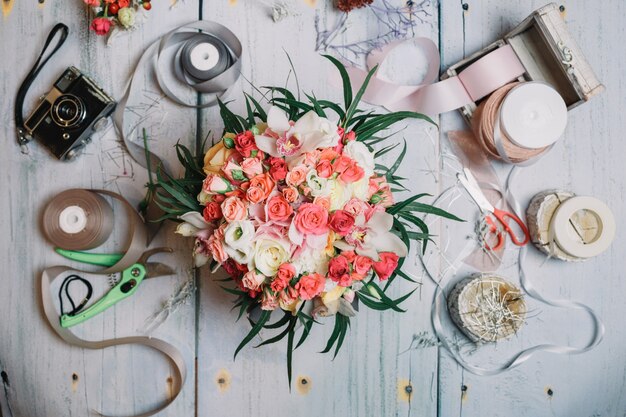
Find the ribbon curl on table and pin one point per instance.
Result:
(439, 306)
(479, 79)
(215, 85)
(137, 239)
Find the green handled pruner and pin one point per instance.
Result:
(130, 279)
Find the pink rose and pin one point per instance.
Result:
(342, 163)
(214, 184)
(233, 172)
(123, 3)
(234, 269)
(234, 209)
(349, 255)
(352, 174)
(297, 175)
(216, 246)
(339, 270)
(284, 274)
(288, 296)
(278, 168)
(100, 25)
(278, 208)
(387, 264)
(252, 167)
(362, 264)
(324, 169)
(245, 143)
(269, 301)
(341, 222)
(264, 182)
(252, 281)
(93, 3)
(311, 219)
(322, 201)
(349, 137)
(356, 206)
(212, 211)
(255, 195)
(310, 286)
(328, 154)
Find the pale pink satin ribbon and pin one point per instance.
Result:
(430, 97)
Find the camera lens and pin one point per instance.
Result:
(68, 110)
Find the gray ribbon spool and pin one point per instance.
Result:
(204, 50)
(211, 82)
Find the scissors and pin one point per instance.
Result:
(129, 281)
(471, 185)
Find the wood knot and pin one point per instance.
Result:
(465, 6)
(549, 391)
(561, 8)
(223, 380)
(74, 377)
(464, 388)
(304, 385)
(5, 378)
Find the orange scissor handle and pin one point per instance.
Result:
(499, 237)
(503, 217)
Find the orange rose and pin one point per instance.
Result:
(264, 182)
(290, 194)
(234, 209)
(216, 157)
(278, 208)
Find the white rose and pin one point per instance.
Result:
(312, 260)
(339, 194)
(360, 188)
(238, 240)
(269, 254)
(319, 186)
(359, 152)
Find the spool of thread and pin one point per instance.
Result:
(520, 121)
(569, 227)
(204, 57)
(486, 307)
(77, 220)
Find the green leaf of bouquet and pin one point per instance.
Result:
(231, 123)
(251, 121)
(292, 333)
(333, 106)
(265, 315)
(384, 150)
(233, 291)
(290, 102)
(333, 336)
(258, 108)
(351, 111)
(308, 324)
(371, 303)
(396, 165)
(316, 106)
(344, 320)
(292, 109)
(385, 299)
(178, 194)
(279, 323)
(345, 78)
(419, 223)
(276, 338)
(402, 204)
(428, 209)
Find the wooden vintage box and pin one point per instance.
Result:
(548, 53)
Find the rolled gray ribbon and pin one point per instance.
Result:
(137, 240)
(216, 69)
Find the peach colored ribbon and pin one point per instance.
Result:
(473, 83)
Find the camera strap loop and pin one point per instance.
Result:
(22, 137)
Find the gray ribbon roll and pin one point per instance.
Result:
(223, 59)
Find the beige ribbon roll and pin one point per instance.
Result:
(93, 223)
(97, 227)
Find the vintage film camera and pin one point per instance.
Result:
(69, 114)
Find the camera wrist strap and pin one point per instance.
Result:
(22, 137)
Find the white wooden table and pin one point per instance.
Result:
(374, 375)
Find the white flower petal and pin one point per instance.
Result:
(317, 241)
(369, 251)
(266, 144)
(200, 260)
(388, 242)
(294, 235)
(380, 222)
(343, 245)
(277, 120)
(310, 122)
(186, 229)
(195, 219)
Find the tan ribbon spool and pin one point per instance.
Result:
(467, 302)
(99, 224)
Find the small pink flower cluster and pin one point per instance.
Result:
(115, 12)
(290, 226)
